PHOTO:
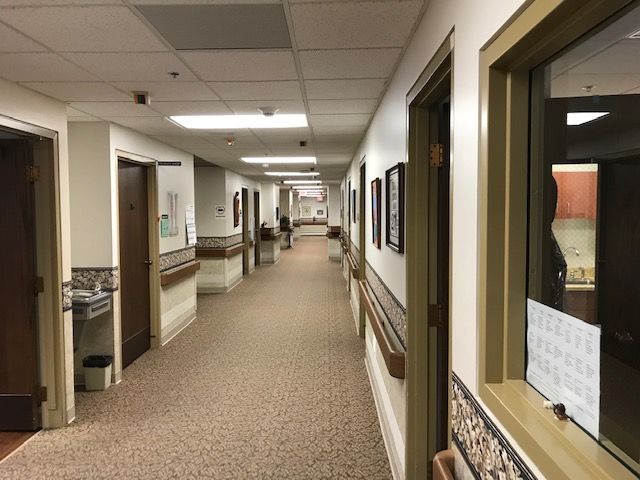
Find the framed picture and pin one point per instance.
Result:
(376, 211)
(349, 204)
(394, 216)
(236, 209)
(306, 210)
(353, 202)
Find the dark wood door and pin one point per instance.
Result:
(256, 225)
(245, 231)
(442, 272)
(19, 385)
(134, 261)
(618, 307)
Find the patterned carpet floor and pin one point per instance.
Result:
(268, 382)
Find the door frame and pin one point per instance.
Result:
(256, 227)
(422, 427)
(55, 412)
(244, 202)
(154, 255)
(362, 234)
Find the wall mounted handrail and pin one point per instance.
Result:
(355, 271)
(393, 357)
(178, 273)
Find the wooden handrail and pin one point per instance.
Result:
(355, 271)
(393, 358)
(178, 273)
(220, 252)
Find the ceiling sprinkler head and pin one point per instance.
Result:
(174, 74)
(588, 88)
(231, 140)
(268, 111)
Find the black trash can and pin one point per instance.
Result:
(97, 371)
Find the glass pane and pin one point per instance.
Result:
(584, 225)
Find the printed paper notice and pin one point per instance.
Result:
(190, 217)
(563, 362)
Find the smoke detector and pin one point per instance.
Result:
(268, 111)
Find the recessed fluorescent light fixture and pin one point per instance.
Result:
(279, 159)
(580, 118)
(292, 174)
(308, 187)
(230, 122)
(291, 182)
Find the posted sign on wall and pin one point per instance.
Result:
(563, 362)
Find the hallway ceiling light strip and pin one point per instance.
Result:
(300, 182)
(230, 122)
(292, 174)
(309, 187)
(279, 159)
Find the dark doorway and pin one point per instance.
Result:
(256, 226)
(440, 196)
(19, 287)
(134, 260)
(245, 231)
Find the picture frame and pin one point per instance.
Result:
(376, 211)
(236, 209)
(394, 211)
(349, 204)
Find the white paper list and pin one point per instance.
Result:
(563, 362)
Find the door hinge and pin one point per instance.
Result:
(436, 316)
(38, 285)
(33, 173)
(436, 155)
(43, 394)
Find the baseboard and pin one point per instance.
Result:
(201, 289)
(356, 316)
(390, 432)
(169, 334)
(71, 414)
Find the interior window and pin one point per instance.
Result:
(583, 307)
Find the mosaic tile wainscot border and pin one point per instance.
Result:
(67, 295)
(393, 309)
(86, 278)
(486, 451)
(219, 242)
(174, 258)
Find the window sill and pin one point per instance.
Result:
(561, 450)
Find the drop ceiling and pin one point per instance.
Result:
(330, 60)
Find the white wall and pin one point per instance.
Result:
(333, 202)
(295, 206)
(269, 200)
(90, 191)
(209, 192)
(315, 205)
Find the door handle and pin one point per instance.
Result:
(148, 262)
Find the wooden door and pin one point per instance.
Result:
(618, 264)
(441, 236)
(19, 385)
(256, 225)
(134, 261)
(245, 231)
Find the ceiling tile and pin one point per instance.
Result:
(85, 28)
(339, 129)
(339, 89)
(251, 107)
(78, 116)
(132, 66)
(78, 91)
(170, 90)
(603, 84)
(342, 106)
(191, 108)
(340, 120)
(285, 90)
(114, 109)
(34, 67)
(199, 2)
(155, 126)
(27, 3)
(12, 41)
(356, 63)
(230, 65)
(354, 24)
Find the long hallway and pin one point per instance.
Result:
(268, 382)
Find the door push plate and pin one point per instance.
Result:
(436, 154)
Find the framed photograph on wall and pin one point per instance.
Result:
(353, 202)
(376, 211)
(394, 212)
(236, 209)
